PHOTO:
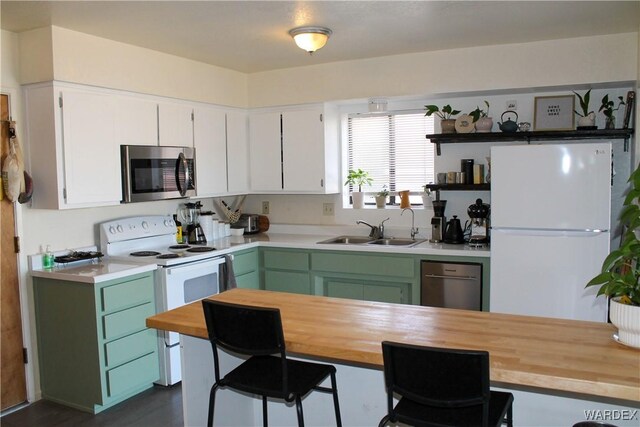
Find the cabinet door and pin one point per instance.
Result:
(382, 293)
(91, 151)
(175, 125)
(136, 121)
(303, 150)
(265, 152)
(337, 288)
(237, 152)
(287, 281)
(209, 140)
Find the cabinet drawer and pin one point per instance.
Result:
(285, 260)
(136, 373)
(127, 321)
(131, 347)
(133, 292)
(364, 264)
(245, 262)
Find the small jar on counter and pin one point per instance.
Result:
(227, 229)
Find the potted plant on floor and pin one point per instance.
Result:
(608, 110)
(481, 118)
(447, 123)
(358, 178)
(587, 119)
(381, 197)
(620, 276)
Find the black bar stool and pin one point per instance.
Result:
(257, 332)
(442, 387)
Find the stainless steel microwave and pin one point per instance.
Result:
(157, 173)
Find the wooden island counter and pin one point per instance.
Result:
(574, 366)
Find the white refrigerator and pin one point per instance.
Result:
(550, 221)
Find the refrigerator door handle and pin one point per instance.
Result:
(548, 231)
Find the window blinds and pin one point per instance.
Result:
(393, 149)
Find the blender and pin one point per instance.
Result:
(438, 221)
(190, 215)
(479, 214)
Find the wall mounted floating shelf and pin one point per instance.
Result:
(564, 135)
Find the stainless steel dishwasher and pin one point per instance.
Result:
(451, 285)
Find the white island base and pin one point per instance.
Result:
(362, 399)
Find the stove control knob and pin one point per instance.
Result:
(120, 229)
(145, 225)
(166, 223)
(112, 230)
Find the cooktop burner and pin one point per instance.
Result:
(167, 256)
(201, 249)
(144, 253)
(179, 247)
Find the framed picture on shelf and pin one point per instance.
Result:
(554, 112)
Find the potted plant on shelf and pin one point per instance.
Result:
(358, 178)
(620, 276)
(608, 110)
(587, 118)
(447, 123)
(381, 197)
(481, 118)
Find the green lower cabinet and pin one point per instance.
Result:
(94, 348)
(246, 269)
(287, 281)
(367, 291)
(286, 270)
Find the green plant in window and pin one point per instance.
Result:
(384, 192)
(445, 114)
(358, 178)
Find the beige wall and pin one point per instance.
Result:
(568, 62)
(82, 58)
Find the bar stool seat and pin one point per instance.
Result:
(442, 387)
(257, 332)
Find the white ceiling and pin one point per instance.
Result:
(252, 36)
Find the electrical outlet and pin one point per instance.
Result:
(511, 105)
(265, 208)
(328, 209)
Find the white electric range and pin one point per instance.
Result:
(186, 273)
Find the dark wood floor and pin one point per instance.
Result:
(159, 406)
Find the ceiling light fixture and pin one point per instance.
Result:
(310, 38)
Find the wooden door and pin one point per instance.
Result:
(12, 374)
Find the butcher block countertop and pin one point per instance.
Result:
(552, 354)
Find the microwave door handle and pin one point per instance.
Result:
(182, 186)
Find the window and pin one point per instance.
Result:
(393, 149)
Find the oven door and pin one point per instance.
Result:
(177, 286)
(157, 173)
(186, 283)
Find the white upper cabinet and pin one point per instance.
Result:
(265, 152)
(295, 150)
(210, 142)
(137, 121)
(73, 149)
(175, 124)
(237, 151)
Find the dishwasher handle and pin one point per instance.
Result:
(439, 276)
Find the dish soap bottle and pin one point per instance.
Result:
(47, 258)
(178, 229)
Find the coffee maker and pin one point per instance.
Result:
(438, 221)
(190, 216)
(479, 214)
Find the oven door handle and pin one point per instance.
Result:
(216, 262)
(182, 186)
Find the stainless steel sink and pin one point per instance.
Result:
(396, 242)
(348, 240)
(361, 240)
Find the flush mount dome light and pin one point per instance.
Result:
(310, 38)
